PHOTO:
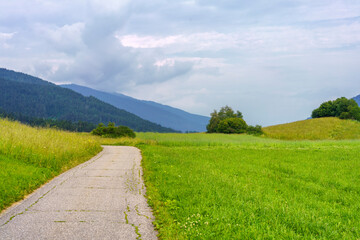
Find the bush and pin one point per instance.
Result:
(257, 130)
(112, 131)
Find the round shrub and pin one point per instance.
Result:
(232, 125)
(112, 131)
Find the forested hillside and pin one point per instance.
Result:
(79, 126)
(164, 115)
(33, 97)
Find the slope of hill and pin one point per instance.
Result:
(164, 115)
(30, 96)
(315, 129)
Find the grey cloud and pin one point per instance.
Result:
(87, 51)
(105, 63)
(117, 68)
(293, 52)
(100, 28)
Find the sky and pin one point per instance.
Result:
(275, 61)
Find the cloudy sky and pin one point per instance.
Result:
(275, 61)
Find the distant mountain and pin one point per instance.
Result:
(30, 96)
(357, 99)
(164, 115)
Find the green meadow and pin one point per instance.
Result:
(213, 186)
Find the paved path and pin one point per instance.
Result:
(102, 198)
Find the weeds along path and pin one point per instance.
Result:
(102, 198)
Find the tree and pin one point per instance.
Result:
(228, 112)
(226, 121)
(217, 117)
(213, 123)
(232, 125)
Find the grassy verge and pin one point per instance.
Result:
(29, 157)
(241, 187)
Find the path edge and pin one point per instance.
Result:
(29, 200)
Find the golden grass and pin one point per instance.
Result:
(315, 129)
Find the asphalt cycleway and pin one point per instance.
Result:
(102, 198)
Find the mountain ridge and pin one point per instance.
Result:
(32, 96)
(164, 115)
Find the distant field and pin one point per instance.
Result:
(315, 129)
(29, 157)
(217, 186)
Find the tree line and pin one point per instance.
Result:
(79, 126)
(342, 108)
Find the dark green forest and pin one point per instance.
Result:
(49, 123)
(34, 98)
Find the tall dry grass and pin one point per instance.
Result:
(29, 157)
(48, 148)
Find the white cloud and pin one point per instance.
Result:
(4, 38)
(266, 39)
(197, 41)
(66, 38)
(135, 41)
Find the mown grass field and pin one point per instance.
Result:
(29, 157)
(243, 187)
(330, 128)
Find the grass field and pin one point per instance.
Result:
(213, 186)
(242, 187)
(29, 157)
(315, 129)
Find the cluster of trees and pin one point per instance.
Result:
(342, 108)
(228, 121)
(112, 131)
